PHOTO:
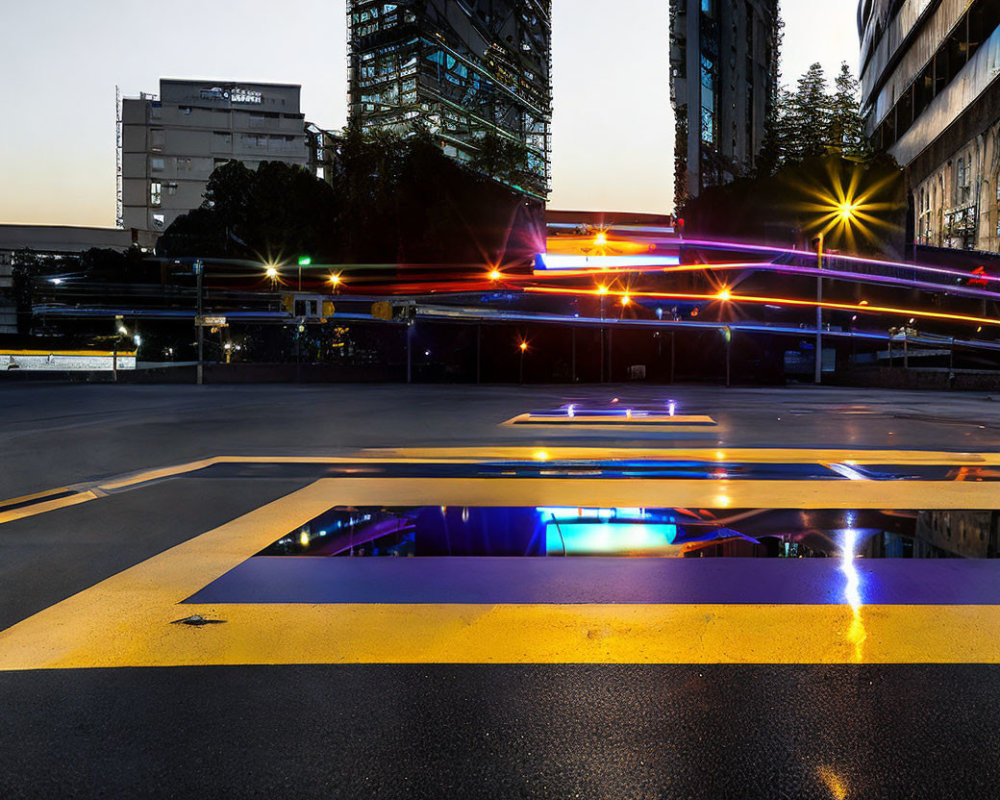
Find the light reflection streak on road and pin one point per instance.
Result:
(856, 634)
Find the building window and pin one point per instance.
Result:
(708, 99)
(156, 164)
(155, 193)
(159, 220)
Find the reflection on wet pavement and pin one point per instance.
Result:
(856, 634)
(578, 531)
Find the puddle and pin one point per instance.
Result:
(649, 532)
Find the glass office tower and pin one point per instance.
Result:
(471, 71)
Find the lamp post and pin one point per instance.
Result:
(818, 376)
(523, 347)
(199, 269)
(304, 261)
(602, 290)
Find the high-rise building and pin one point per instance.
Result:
(462, 68)
(931, 97)
(723, 83)
(171, 143)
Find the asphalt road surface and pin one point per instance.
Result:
(103, 696)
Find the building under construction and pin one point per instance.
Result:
(723, 84)
(475, 73)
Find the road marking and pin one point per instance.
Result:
(466, 455)
(761, 455)
(660, 422)
(45, 506)
(125, 621)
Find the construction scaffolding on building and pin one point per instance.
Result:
(475, 74)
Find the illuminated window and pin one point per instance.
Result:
(159, 220)
(155, 193)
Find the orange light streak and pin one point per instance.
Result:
(581, 273)
(789, 301)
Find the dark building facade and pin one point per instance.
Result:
(931, 97)
(723, 84)
(462, 68)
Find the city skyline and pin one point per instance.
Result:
(612, 125)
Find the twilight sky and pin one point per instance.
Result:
(612, 125)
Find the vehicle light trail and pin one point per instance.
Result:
(867, 308)
(709, 243)
(965, 290)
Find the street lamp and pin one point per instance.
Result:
(523, 347)
(304, 261)
(271, 272)
(495, 275)
(602, 290)
(336, 281)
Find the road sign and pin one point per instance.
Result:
(382, 310)
(210, 322)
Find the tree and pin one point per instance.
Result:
(847, 127)
(501, 158)
(394, 198)
(278, 210)
(810, 122)
(808, 116)
(25, 267)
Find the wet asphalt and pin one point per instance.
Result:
(398, 731)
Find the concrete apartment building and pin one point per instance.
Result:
(170, 143)
(931, 97)
(461, 68)
(723, 83)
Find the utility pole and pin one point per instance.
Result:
(602, 339)
(409, 355)
(818, 377)
(199, 269)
